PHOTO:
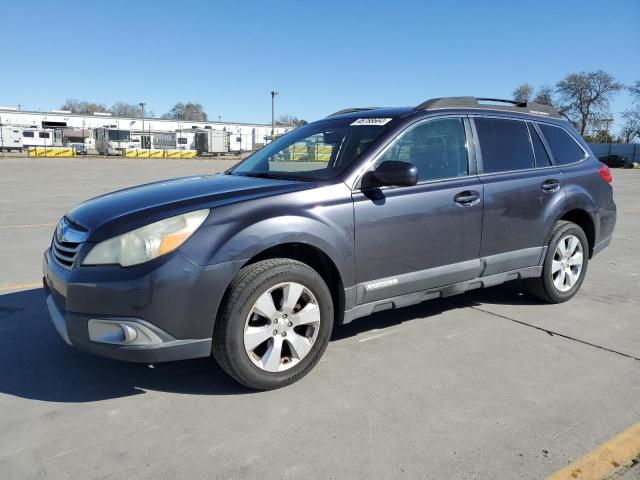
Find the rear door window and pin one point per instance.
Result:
(504, 144)
(564, 148)
(542, 157)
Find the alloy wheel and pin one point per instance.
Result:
(566, 266)
(282, 327)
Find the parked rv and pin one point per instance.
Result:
(41, 137)
(186, 139)
(11, 139)
(153, 140)
(112, 141)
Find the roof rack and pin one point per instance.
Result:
(351, 110)
(473, 102)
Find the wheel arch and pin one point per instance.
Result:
(585, 221)
(312, 256)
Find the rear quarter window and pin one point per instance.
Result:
(564, 148)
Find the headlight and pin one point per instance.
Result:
(148, 242)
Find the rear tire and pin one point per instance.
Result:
(274, 325)
(564, 267)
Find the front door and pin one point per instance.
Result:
(410, 239)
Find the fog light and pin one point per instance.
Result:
(121, 332)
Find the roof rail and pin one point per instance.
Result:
(473, 102)
(351, 110)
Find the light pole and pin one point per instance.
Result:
(142, 104)
(273, 113)
(607, 122)
(1, 138)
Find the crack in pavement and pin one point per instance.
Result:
(551, 332)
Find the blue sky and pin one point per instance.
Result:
(321, 56)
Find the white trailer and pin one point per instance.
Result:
(41, 137)
(214, 142)
(113, 141)
(186, 139)
(11, 139)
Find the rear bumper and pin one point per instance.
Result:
(174, 301)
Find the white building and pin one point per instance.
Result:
(242, 136)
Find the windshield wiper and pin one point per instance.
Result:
(272, 175)
(256, 174)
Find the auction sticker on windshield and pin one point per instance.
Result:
(371, 121)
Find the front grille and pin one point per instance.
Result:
(67, 240)
(64, 252)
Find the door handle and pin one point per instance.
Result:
(550, 186)
(467, 198)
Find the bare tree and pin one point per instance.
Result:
(290, 121)
(83, 106)
(544, 95)
(584, 97)
(186, 111)
(631, 127)
(131, 110)
(523, 93)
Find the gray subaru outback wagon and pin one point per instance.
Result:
(365, 210)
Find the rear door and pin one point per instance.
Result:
(521, 192)
(413, 238)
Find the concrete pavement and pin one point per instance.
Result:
(490, 384)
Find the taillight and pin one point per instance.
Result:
(605, 173)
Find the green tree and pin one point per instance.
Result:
(523, 93)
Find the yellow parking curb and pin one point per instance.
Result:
(21, 286)
(604, 460)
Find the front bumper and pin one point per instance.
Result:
(172, 299)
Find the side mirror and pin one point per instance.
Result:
(396, 173)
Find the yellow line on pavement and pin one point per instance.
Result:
(29, 225)
(20, 286)
(605, 459)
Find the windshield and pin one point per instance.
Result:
(118, 135)
(318, 151)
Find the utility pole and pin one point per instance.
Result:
(273, 113)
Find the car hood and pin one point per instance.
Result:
(125, 210)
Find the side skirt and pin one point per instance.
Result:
(439, 292)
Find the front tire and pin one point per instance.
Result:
(564, 267)
(275, 324)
